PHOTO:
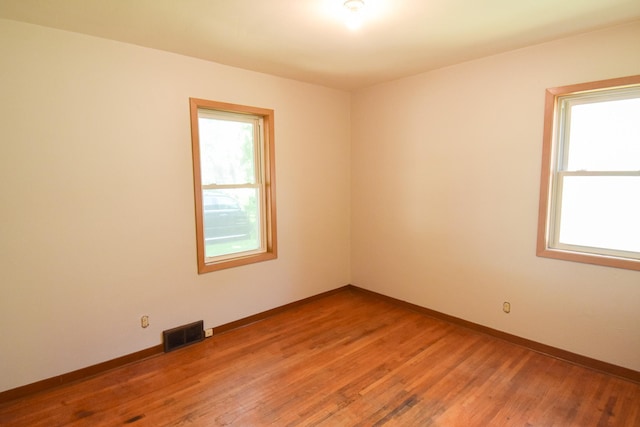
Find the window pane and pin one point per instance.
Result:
(231, 221)
(605, 136)
(601, 212)
(234, 179)
(226, 151)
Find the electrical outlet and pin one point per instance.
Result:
(144, 321)
(506, 307)
(208, 332)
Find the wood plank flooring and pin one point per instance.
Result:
(348, 359)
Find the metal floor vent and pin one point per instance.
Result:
(183, 335)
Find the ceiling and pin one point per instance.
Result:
(308, 40)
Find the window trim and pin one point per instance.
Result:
(268, 164)
(549, 158)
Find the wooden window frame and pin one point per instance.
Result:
(269, 200)
(549, 160)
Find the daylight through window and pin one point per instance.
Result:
(590, 191)
(234, 184)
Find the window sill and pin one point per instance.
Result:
(604, 260)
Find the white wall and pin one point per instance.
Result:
(445, 185)
(96, 196)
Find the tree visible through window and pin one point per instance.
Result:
(234, 184)
(590, 191)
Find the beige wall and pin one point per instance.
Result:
(96, 197)
(445, 184)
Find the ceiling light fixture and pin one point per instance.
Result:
(354, 13)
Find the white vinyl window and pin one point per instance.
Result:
(590, 193)
(234, 184)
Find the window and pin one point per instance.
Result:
(234, 181)
(590, 187)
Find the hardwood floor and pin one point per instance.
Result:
(348, 359)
